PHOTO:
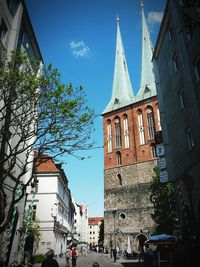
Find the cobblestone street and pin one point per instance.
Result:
(104, 260)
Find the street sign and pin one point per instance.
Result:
(160, 150)
(163, 176)
(162, 164)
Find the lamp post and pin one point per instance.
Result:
(114, 215)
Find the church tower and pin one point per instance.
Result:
(130, 123)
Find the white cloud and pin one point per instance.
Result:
(79, 48)
(154, 17)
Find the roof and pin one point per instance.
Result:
(95, 220)
(46, 164)
(122, 93)
(147, 86)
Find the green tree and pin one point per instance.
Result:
(101, 233)
(33, 230)
(37, 113)
(164, 201)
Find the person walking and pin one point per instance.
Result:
(74, 256)
(115, 254)
(50, 261)
(68, 254)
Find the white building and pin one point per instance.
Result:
(94, 229)
(52, 207)
(15, 32)
(81, 223)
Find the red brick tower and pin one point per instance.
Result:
(130, 123)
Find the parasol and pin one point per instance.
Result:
(162, 239)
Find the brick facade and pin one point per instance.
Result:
(126, 186)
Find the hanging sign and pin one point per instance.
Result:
(163, 176)
(162, 164)
(160, 150)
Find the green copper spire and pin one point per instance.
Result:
(122, 93)
(147, 86)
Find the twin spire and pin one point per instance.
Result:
(122, 93)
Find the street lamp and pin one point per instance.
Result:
(114, 215)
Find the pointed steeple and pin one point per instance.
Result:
(147, 86)
(122, 93)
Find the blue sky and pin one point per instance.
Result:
(79, 38)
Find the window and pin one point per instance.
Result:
(197, 69)
(182, 98)
(118, 139)
(12, 6)
(170, 32)
(90, 232)
(189, 32)
(175, 62)
(109, 136)
(126, 133)
(122, 216)
(119, 159)
(141, 128)
(150, 123)
(119, 179)
(3, 30)
(190, 139)
(158, 115)
(153, 151)
(24, 42)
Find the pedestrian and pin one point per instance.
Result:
(68, 254)
(50, 261)
(95, 264)
(115, 254)
(74, 256)
(142, 238)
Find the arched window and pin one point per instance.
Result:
(118, 139)
(158, 115)
(119, 158)
(126, 133)
(109, 136)
(141, 127)
(153, 150)
(119, 179)
(150, 123)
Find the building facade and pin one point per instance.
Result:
(16, 32)
(129, 123)
(93, 230)
(51, 206)
(177, 63)
(81, 223)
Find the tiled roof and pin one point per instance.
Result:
(95, 220)
(46, 164)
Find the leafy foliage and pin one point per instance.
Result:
(101, 233)
(37, 113)
(39, 258)
(163, 199)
